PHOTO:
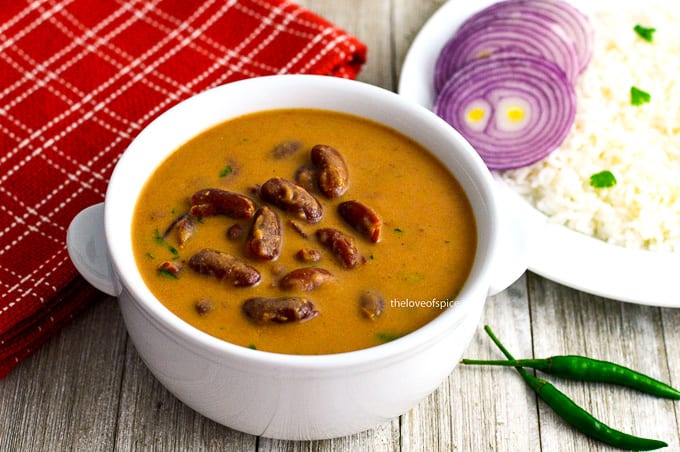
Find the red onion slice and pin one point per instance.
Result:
(514, 109)
(526, 34)
(574, 24)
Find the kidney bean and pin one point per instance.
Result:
(333, 176)
(362, 218)
(286, 149)
(229, 170)
(305, 279)
(214, 201)
(341, 245)
(171, 267)
(264, 238)
(204, 306)
(203, 210)
(184, 225)
(292, 198)
(279, 310)
(305, 177)
(224, 267)
(371, 304)
(308, 255)
(235, 232)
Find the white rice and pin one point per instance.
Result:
(639, 145)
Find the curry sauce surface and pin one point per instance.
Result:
(424, 256)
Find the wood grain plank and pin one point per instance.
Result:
(571, 322)
(64, 397)
(670, 322)
(408, 18)
(382, 438)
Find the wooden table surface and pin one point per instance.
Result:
(88, 390)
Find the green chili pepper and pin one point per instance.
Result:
(576, 416)
(587, 369)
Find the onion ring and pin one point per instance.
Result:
(526, 33)
(525, 104)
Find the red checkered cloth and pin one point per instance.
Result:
(78, 80)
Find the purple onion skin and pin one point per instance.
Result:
(539, 82)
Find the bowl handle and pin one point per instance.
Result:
(86, 244)
(515, 240)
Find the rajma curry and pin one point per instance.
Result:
(304, 232)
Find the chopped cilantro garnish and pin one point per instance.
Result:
(639, 97)
(398, 230)
(603, 179)
(158, 238)
(227, 170)
(644, 32)
(252, 347)
(167, 273)
(412, 277)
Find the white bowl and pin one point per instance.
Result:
(270, 394)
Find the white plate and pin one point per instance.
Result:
(556, 252)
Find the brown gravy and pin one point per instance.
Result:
(422, 259)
